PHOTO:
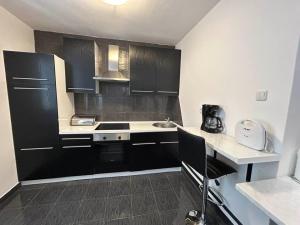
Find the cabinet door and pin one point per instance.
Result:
(144, 156)
(76, 155)
(29, 68)
(37, 164)
(168, 142)
(168, 71)
(142, 70)
(34, 116)
(80, 65)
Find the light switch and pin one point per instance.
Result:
(262, 95)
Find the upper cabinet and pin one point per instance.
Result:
(154, 70)
(142, 69)
(79, 56)
(168, 71)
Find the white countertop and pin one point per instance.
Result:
(134, 127)
(223, 144)
(228, 147)
(279, 198)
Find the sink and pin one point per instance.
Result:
(164, 125)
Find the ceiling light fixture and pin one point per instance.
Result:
(115, 2)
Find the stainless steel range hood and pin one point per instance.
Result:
(112, 74)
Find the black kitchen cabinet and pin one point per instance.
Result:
(76, 156)
(142, 70)
(79, 58)
(33, 109)
(29, 68)
(168, 71)
(153, 151)
(154, 70)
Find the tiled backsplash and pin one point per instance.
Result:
(115, 104)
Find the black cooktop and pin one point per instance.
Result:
(113, 126)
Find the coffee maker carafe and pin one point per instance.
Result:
(210, 121)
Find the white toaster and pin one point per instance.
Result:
(251, 134)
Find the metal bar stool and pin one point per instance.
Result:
(192, 151)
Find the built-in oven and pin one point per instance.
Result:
(111, 152)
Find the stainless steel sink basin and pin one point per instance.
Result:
(164, 125)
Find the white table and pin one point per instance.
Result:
(279, 198)
(229, 148)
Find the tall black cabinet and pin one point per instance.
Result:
(33, 108)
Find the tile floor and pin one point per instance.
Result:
(157, 199)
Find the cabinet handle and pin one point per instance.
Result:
(138, 91)
(145, 143)
(27, 88)
(85, 89)
(77, 146)
(83, 138)
(168, 92)
(29, 78)
(31, 149)
(169, 142)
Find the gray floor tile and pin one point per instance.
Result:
(63, 214)
(118, 207)
(97, 190)
(48, 195)
(126, 221)
(173, 217)
(34, 215)
(119, 187)
(143, 204)
(149, 219)
(73, 193)
(10, 216)
(20, 199)
(91, 223)
(166, 200)
(92, 210)
(186, 200)
(140, 184)
(159, 182)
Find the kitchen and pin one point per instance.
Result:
(96, 118)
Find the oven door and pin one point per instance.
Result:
(111, 156)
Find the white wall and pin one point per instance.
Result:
(291, 143)
(239, 47)
(15, 35)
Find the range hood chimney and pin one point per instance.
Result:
(112, 74)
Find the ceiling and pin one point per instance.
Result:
(153, 21)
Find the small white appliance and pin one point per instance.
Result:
(251, 134)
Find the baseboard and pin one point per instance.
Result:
(9, 193)
(197, 180)
(102, 175)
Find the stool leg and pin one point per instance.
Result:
(204, 201)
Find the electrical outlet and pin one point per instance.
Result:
(261, 95)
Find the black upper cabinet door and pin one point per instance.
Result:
(142, 70)
(29, 68)
(168, 71)
(80, 65)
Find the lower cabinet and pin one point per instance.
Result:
(76, 155)
(153, 151)
(37, 164)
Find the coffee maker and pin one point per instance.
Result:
(211, 123)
